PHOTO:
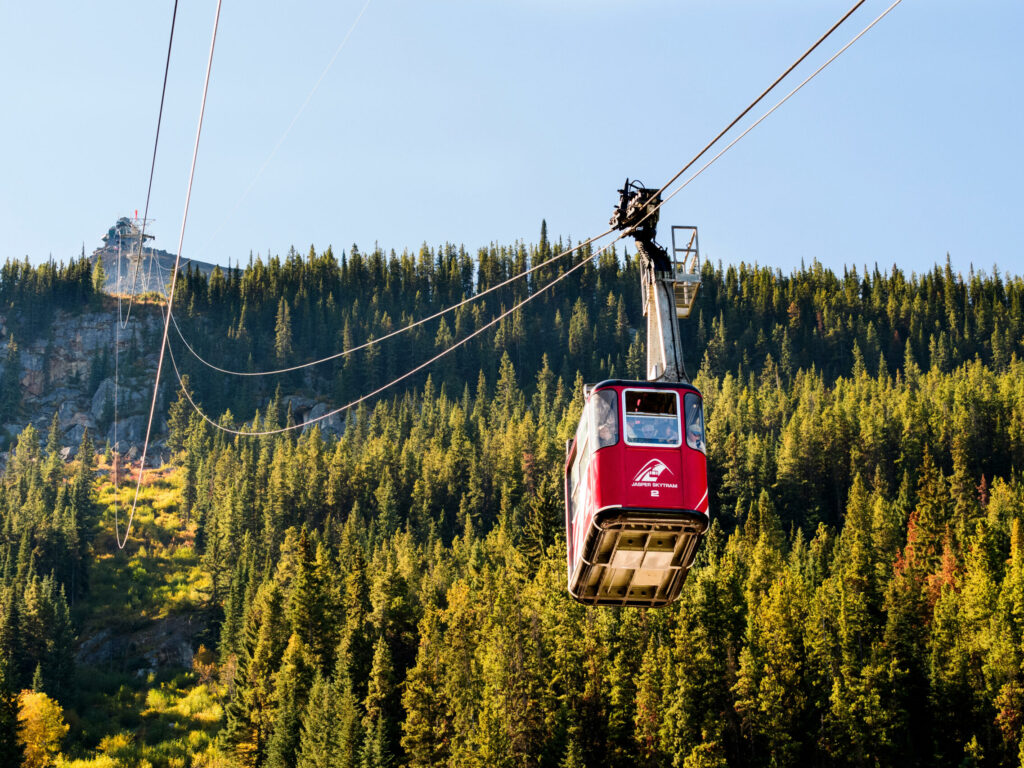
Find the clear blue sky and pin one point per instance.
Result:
(470, 121)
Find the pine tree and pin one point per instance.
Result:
(319, 743)
(772, 694)
(379, 742)
(650, 706)
(250, 713)
(309, 614)
(283, 332)
(427, 728)
(11, 748)
(291, 689)
(10, 383)
(178, 418)
(99, 276)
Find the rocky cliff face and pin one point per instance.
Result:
(70, 371)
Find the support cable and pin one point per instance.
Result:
(170, 296)
(287, 130)
(117, 351)
(538, 266)
(764, 93)
(118, 327)
(393, 382)
(396, 332)
(763, 117)
(700, 154)
(149, 190)
(443, 353)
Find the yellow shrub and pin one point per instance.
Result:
(41, 728)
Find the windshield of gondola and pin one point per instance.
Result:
(652, 418)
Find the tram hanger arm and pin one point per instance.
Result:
(637, 215)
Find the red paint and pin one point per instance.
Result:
(622, 477)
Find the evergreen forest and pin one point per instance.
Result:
(392, 592)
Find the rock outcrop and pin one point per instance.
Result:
(69, 371)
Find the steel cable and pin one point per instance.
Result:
(170, 297)
(778, 104)
(434, 316)
(123, 317)
(149, 188)
(764, 93)
(396, 332)
(519, 305)
(393, 382)
(287, 130)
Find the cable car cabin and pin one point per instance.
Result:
(636, 492)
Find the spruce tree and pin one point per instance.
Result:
(319, 739)
(291, 689)
(380, 731)
(11, 749)
(99, 276)
(283, 332)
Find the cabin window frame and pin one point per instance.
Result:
(609, 397)
(579, 468)
(641, 443)
(701, 444)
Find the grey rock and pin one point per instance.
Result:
(74, 435)
(99, 648)
(84, 420)
(31, 362)
(332, 425)
(65, 412)
(299, 405)
(131, 430)
(33, 381)
(126, 399)
(60, 394)
(74, 430)
(54, 369)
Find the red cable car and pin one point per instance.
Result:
(636, 492)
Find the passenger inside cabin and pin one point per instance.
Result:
(696, 436)
(606, 419)
(654, 430)
(649, 431)
(668, 431)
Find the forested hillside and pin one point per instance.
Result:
(395, 594)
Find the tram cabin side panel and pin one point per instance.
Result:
(637, 446)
